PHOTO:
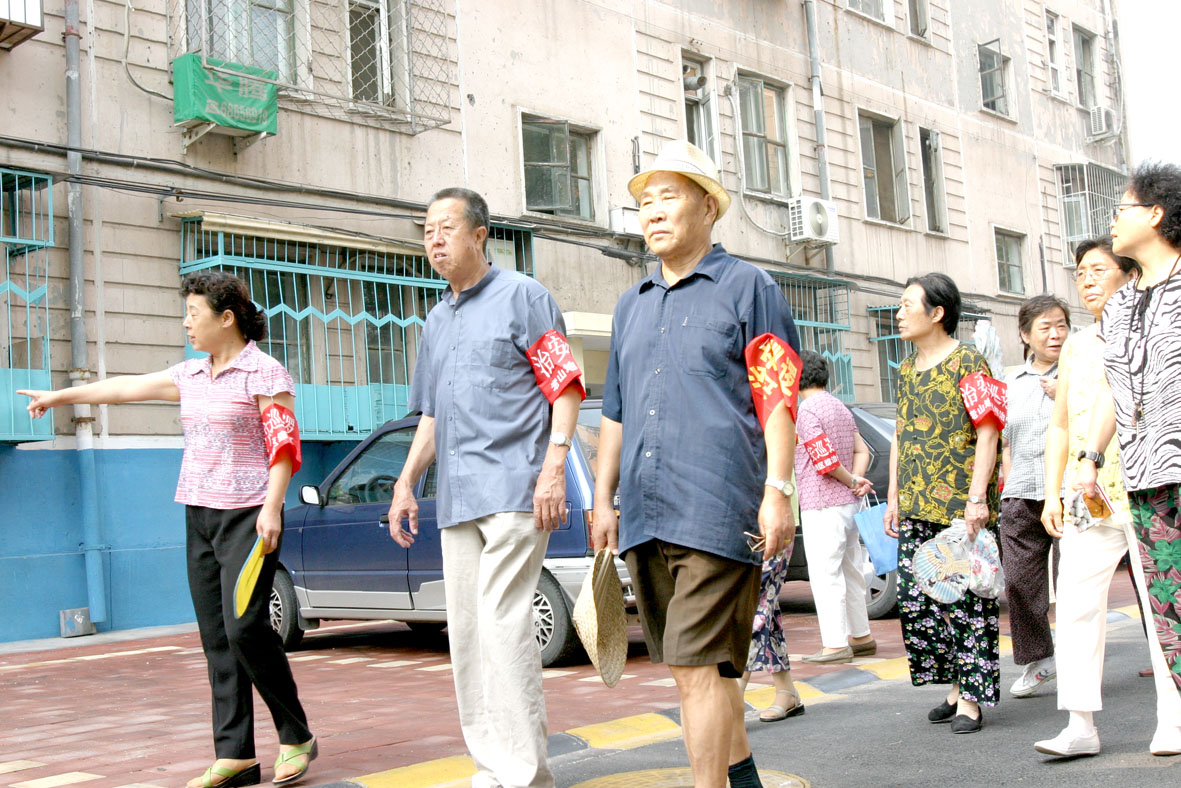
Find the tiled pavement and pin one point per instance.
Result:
(136, 713)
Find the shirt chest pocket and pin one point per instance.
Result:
(706, 346)
(491, 363)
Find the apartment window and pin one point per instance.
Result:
(994, 66)
(764, 136)
(874, 8)
(1008, 262)
(883, 165)
(935, 197)
(557, 160)
(1052, 53)
(1084, 67)
(258, 33)
(699, 123)
(919, 17)
(377, 50)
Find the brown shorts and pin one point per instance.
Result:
(697, 608)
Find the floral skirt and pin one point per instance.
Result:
(768, 643)
(1156, 519)
(947, 644)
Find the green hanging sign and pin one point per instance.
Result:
(237, 102)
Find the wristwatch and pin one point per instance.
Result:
(560, 439)
(977, 499)
(786, 487)
(1093, 456)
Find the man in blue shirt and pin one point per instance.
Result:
(488, 346)
(681, 436)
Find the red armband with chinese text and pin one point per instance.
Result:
(281, 433)
(773, 369)
(554, 366)
(986, 399)
(824, 456)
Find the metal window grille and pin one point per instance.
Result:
(1087, 193)
(26, 236)
(892, 349)
(764, 136)
(384, 63)
(993, 64)
(344, 321)
(821, 311)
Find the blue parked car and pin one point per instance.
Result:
(339, 562)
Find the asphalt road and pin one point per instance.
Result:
(877, 734)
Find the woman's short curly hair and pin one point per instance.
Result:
(1159, 183)
(815, 372)
(225, 291)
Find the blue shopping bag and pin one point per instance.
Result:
(883, 549)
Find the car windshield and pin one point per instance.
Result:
(587, 435)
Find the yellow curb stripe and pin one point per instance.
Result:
(628, 733)
(1131, 611)
(1006, 643)
(888, 669)
(441, 773)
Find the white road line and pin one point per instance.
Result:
(434, 668)
(397, 663)
(90, 657)
(18, 766)
(69, 778)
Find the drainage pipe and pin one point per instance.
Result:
(96, 587)
(818, 113)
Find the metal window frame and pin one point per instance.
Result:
(1084, 67)
(1088, 191)
(1053, 52)
(899, 174)
(892, 349)
(998, 68)
(570, 132)
(779, 95)
(820, 309)
(1009, 266)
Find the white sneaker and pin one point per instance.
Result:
(1069, 744)
(1166, 741)
(1035, 674)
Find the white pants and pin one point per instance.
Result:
(835, 564)
(490, 571)
(1088, 562)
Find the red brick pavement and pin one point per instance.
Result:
(143, 718)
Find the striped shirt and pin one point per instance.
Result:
(1142, 329)
(1030, 408)
(225, 460)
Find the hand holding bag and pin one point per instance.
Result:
(883, 549)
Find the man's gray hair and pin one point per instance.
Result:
(475, 211)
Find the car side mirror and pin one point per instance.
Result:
(310, 494)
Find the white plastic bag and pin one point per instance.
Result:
(949, 565)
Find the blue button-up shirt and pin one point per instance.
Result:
(474, 378)
(693, 460)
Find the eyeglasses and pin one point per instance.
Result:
(1118, 208)
(756, 542)
(1083, 274)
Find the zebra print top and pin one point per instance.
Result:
(1142, 361)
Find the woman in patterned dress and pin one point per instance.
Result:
(1141, 327)
(942, 467)
(232, 497)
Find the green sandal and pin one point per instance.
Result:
(311, 750)
(251, 775)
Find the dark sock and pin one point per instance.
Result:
(744, 775)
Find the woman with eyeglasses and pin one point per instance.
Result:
(1089, 553)
(1141, 329)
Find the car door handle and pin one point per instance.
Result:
(383, 521)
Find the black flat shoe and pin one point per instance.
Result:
(942, 713)
(965, 724)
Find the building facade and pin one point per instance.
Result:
(296, 142)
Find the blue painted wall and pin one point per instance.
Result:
(41, 562)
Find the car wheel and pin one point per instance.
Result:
(284, 610)
(552, 622)
(881, 595)
(427, 627)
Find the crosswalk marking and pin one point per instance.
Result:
(397, 663)
(69, 778)
(599, 678)
(350, 660)
(18, 766)
(90, 657)
(434, 668)
(307, 658)
(661, 683)
(553, 674)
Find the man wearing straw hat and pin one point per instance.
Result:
(699, 432)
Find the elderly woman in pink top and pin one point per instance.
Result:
(233, 491)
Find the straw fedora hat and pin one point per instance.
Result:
(685, 158)
(600, 620)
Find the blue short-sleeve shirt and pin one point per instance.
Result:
(693, 460)
(474, 378)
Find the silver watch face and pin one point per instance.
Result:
(559, 439)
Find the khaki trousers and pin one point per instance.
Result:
(490, 571)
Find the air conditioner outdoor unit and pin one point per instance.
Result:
(1101, 122)
(812, 221)
(626, 221)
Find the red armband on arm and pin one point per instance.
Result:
(554, 366)
(985, 398)
(773, 369)
(823, 455)
(281, 433)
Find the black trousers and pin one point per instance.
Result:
(1025, 556)
(240, 651)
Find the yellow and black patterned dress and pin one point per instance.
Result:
(960, 642)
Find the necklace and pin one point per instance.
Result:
(1141, 308)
